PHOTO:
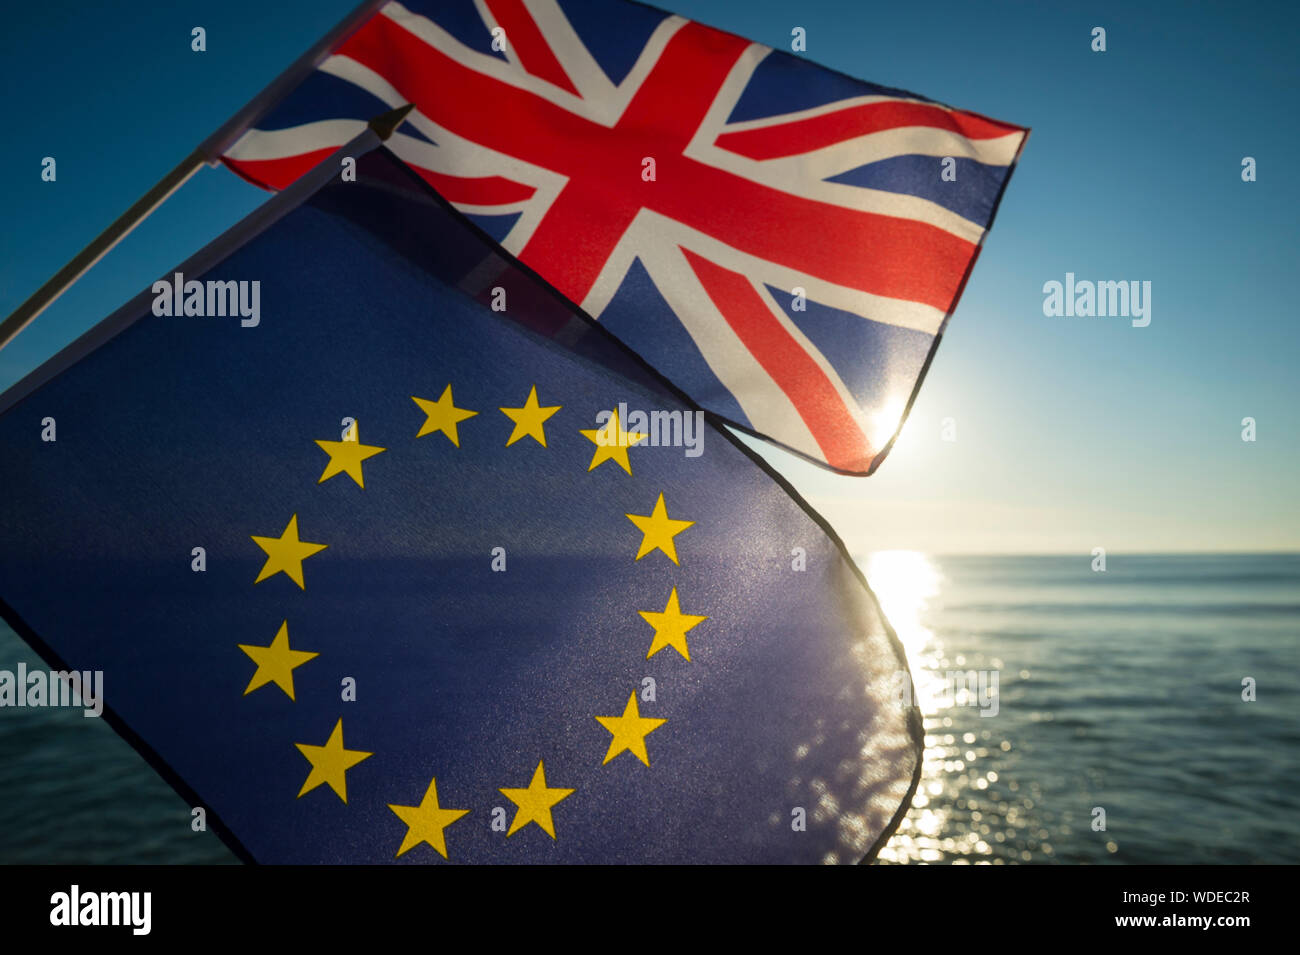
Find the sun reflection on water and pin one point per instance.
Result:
(905, 582)
(953, 818)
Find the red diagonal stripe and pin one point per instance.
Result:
(805, 135)
(471, 104)
(814, 397)
(481, 191)
(477, 191)
(525, 38)
(277, 173)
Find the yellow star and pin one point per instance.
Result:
(276, 663)
(529, 419)
(442, 415)
(658, 530)
(630, 731)
(535, 803)
(346, 457)
(330, 763)
(612, 443)
(286, 554)
(670, 627)
(425, 822)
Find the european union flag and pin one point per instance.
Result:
(386, 552)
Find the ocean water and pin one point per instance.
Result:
(1119, 691)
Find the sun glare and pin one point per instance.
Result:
(882, 424)
(905, 582)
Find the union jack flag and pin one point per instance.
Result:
(782, 242)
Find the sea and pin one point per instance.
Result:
(1147, 713)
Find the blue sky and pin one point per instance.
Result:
(1071, 433)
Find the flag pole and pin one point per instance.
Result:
(208, 152)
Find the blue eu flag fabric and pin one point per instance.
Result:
(378, 577)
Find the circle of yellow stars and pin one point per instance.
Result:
(428, 821)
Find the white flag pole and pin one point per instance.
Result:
(208, 152)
